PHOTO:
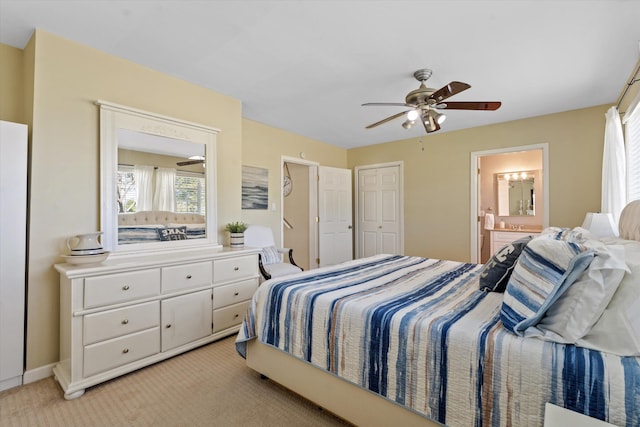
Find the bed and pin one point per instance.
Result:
(401, 340)
(156, 226)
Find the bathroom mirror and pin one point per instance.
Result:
(516, 194)
(158, 186)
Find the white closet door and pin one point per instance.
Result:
(379, 211)
(13, 229)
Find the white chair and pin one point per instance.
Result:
(270, 259)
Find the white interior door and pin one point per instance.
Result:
(335, 228)
(379, 210)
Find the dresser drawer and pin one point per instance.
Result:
(116, 323)
(234, 293)
(120, 351)
(115, 288)
(500, 239)
(186, 276)
(227, 317)
(235, 268)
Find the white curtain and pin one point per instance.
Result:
(164, 197)
(614, 194)
(143, 176)
(631, 122)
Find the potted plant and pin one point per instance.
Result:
(236, 233)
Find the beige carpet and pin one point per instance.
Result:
(209, 386)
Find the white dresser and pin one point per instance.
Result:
(501, 237)
(129, 312)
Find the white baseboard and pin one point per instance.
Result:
(38, 374)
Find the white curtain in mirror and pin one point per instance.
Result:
(143, 175)
(613, 167)
(164, 196)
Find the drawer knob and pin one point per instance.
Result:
(125, 288)
(125, 321)
(125, 351)
(236, 268)
(188, 276)
(168, 325)
(235, 316)
(235, 294)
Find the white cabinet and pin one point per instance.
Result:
(499, 238)
(13, 232)
(129, 312)
(186, 318)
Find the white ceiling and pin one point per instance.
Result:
(307, 66)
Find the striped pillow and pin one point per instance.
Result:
(270, 255)
(545, 269)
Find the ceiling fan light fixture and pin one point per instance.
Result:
(437, 117)
(408, 124)
(430, 123)
(412, 115)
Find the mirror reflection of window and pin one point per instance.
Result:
(138, 184)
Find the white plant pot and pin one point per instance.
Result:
(236, 240)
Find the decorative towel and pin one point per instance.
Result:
(488, 221)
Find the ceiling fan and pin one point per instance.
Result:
(425, 102)
(193, 160)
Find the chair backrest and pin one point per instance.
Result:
(258, 236)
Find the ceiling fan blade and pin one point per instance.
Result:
(449, 90)
(388, 119)
(387, 104)
(189, 162)
(491, 106)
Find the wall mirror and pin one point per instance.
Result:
(516, 195)
(158, 181)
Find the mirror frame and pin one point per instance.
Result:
(114, 117)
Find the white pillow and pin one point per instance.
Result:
(575, 312)
(618, 329)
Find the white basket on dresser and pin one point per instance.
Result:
(128, 313)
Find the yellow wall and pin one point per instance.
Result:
(11, 84)
(264, 146)
(437, 180)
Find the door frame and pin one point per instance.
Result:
(313, 205)
(356, 197)
(475, 190)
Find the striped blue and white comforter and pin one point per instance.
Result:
(419, 332)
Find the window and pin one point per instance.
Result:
(189, 191)
(632, 144)
(126, 189)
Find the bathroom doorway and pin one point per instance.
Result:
(530, 211)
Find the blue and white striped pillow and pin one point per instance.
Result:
(270, 255)
(545, 269)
